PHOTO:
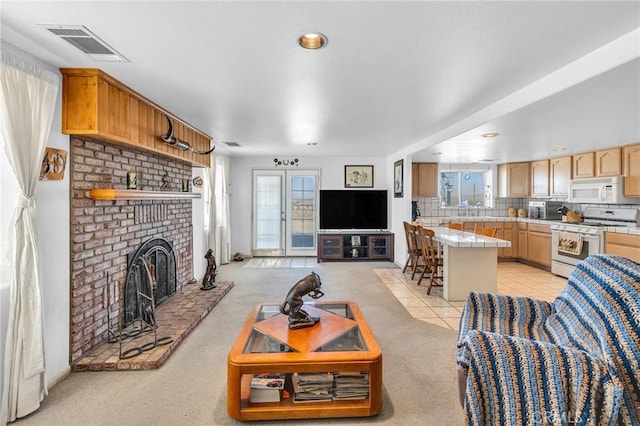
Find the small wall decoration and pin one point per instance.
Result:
(292, 162)
(398, 183)
(53, 164)
(197, 182)
(132, 180)
(358, 176)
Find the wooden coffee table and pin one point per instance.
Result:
(340, 342)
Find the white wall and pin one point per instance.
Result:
(52, 227)
(331, 177)
(199, 235)
(400, 208)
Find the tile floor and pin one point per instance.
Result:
(515, 279)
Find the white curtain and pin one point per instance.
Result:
(218, 238)
(27, 103)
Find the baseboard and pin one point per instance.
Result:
(58, 377)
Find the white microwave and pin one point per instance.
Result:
(602, 190)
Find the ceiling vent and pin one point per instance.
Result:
(233, 144)
(81, 38)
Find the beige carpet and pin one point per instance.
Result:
(419, 385)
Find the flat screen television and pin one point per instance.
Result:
(353, 209)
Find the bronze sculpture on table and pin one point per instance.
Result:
(292, 306)
(209, 280)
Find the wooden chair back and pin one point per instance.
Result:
(428, 246)
(430, 257)
(456, 225)
(411, 234)
(487, 232)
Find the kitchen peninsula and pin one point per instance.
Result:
(470, 262)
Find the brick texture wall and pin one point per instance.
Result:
(104, 232)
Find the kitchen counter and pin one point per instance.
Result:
(470, 262)
(454, 238)
(434, 221)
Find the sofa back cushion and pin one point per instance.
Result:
(599, 312)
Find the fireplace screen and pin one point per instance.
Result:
(152, 268)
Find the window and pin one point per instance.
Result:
(466, 188)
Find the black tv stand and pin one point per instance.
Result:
(355, 245)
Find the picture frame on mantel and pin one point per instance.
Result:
(358, 176)
(398, 179)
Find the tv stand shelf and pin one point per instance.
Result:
(355, 246)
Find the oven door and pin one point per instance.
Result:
(572, 247)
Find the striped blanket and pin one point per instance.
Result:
(573, 361)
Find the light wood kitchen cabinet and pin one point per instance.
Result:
(631, 162)
(540, 178)
(522, 241)
(622, 245)
(583, 165)
(98, 106)
(424, 179)
(609, 162)
(539, 244)
(514, 180)
(506, 231)
(559, 176)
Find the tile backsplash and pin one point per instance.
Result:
(430, 207)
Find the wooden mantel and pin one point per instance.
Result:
(96, 105)
(133, 194)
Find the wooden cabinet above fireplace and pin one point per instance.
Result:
(96, 105)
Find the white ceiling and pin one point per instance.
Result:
(396, 77)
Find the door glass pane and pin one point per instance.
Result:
(303, 211)
(268, 212)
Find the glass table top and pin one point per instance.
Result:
(337, 331)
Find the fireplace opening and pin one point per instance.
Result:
(151, 280)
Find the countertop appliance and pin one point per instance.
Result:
(571, 243)
(546, 210)
(600, 190)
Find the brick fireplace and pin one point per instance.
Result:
(104, 233)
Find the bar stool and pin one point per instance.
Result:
(456, 225)
(413, 248)
(433, 262)
(487, 232)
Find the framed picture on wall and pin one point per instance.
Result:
(358, 176)
(398, 183)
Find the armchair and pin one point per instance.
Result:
(573, 361)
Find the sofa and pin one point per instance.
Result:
(573, 361)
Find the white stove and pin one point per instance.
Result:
(573, 242)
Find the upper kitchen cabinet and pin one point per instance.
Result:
(98, 106)
(631, 161)
(540, 178)
(609, 162)
(583, 165)
(514, 180)
(559, 176)
(424, 179)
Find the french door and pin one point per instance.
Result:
(284, 212)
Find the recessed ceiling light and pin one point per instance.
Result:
(559, 149)
(490, 135)
(312, 41)
(312, 143)
(437, 153)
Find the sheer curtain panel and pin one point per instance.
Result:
(218, 238)
(27, 103)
